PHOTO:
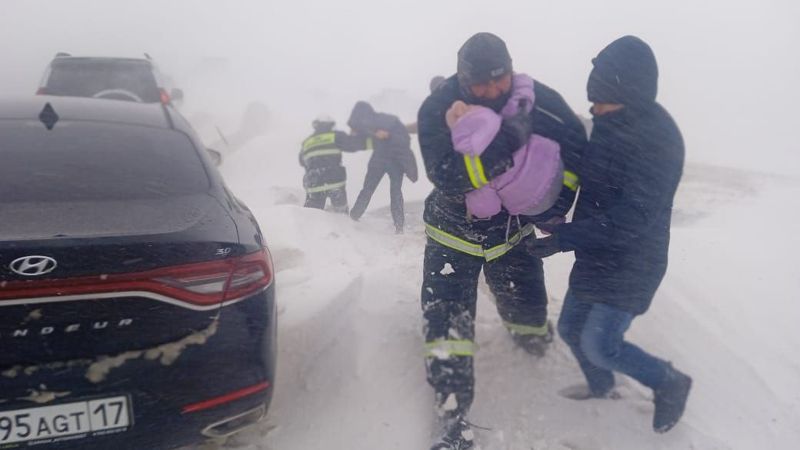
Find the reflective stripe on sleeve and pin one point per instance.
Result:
(326, 187)
(524, 330)
(571, 180)
(475, 171)
(445, 348)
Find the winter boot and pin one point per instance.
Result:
(535, 344)
(670, 400)
(456, 435)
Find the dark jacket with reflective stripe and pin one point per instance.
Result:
(620, 229)
(445, 207)
(321, 156)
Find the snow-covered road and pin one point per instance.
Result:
(351, 374)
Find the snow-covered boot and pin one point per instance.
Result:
(456, 435)
(670, 400)
(535, 344)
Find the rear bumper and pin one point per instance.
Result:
(231, 374)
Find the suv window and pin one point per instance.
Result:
(86, 77)
(96, 161)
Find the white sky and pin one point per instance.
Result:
(728, 68)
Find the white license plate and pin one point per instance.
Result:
(67, 421)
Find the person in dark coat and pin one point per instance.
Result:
(321, 157)
(391, 156)
(459, 246)
(621, 227)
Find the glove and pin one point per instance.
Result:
(544, 247)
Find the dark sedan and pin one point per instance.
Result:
(137, 300)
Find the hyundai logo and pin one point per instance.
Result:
(33, 266)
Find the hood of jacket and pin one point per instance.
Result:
(362, 118)
(625, 72)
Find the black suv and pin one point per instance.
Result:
(137, 302)
(131, 79)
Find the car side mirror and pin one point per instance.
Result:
(216, 156)
(176, 94)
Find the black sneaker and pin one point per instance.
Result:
(457, 435)
(670, 400)
(533, 343)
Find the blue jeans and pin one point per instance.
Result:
(595, 333)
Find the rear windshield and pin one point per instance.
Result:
(87, 78)
(94, 161)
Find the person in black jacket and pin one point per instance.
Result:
(321, 156)
(620, 229)
(391, 156)
(460, 246)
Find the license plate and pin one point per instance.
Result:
(67, 421)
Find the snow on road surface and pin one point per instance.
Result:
(350, 368)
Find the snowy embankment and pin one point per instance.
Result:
(350, 370)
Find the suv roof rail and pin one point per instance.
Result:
(62, 54)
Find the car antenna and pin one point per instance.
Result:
(48, 116)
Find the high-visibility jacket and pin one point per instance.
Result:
(321, 156)
(452, 174)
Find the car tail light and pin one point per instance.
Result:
(41, 91)
(165, 99)
(226, 398)
(200, 284)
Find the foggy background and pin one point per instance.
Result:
(728, 68)
(350, 322)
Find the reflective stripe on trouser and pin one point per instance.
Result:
(449, 297)
(338, 199)
(447, 348)
(456, 243)
(526, 330)
(326, 187)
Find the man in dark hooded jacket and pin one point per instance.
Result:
(620, 230)
(391, 156)
(460, 246)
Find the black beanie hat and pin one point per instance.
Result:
(624, 72)
(436, 81)
(484, 56)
